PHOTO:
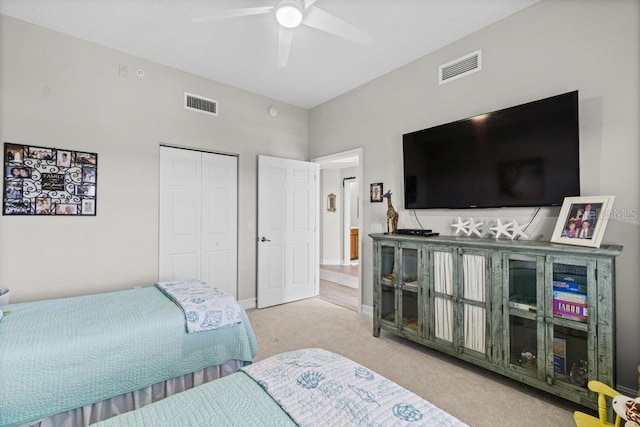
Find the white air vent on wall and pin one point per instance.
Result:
(201, 104)
(461, 67)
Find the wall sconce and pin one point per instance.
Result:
(331, 202)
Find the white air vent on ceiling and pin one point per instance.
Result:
(200, 103)
(461, 67)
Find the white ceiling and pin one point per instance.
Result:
(242, 52)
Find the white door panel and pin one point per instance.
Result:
(276, 267)
(220, 202)
(198, 217)
(216, 267)
(287, 220)
(185, 217)
(182, 265)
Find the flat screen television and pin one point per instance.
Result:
(522, 156)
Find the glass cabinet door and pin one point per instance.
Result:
(569, 321)
(410, 289)
(474, 298)
(443, 295)
(548, 322)
(525, 327)
(387, 282)
(460, 304)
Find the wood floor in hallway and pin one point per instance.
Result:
(336, 293)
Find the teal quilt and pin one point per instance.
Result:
(61, 354)
(231, 401)
(310, 387)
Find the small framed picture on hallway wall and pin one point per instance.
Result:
(376, 192)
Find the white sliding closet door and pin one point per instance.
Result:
(198, 217)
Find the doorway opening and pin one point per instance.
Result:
(340, 228)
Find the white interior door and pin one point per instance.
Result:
(287, 230)
(198, 217)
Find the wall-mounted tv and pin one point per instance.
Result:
(522, 156)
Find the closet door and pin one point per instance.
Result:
(198, 217)
(219, 221)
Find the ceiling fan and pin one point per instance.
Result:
(292, 13)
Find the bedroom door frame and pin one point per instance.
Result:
(342, 157)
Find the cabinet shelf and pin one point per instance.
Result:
(495, 303)
(578, 326)
(532, 315)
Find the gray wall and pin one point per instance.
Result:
(553, 47)
(58, 91)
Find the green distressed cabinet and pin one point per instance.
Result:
(401, 302)
(537, 312)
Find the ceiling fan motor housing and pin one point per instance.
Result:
(289, 13)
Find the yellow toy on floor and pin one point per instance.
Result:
(626, 408)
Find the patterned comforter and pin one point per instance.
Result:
(205, 307)
(319, 388)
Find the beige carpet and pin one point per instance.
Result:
(474, 395)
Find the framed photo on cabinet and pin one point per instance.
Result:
(583, 220)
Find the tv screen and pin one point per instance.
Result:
(522, 156)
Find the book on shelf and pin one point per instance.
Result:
(560, 355)
(570, 310)
(567, 286)
(577, 272)
(570, 297)
(522, 306)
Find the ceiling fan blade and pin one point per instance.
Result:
(308, 3)
(324, 21)
(285, 37)
(234, 13)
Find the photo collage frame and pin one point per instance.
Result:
(49, 181)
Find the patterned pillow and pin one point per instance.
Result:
(628, 409)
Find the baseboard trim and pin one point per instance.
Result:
(331, 262)
(626, 391)
(367, 310)
(248, 303)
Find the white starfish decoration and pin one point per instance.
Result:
(486, 230)
(475, 227)
(501, 228)
(461, 226)
(518, 230)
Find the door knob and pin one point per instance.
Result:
(264, 239)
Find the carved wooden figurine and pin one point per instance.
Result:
(392, 214)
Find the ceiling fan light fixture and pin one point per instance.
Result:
(289, 13)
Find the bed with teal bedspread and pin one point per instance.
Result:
(61, 354)
(310, 387)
